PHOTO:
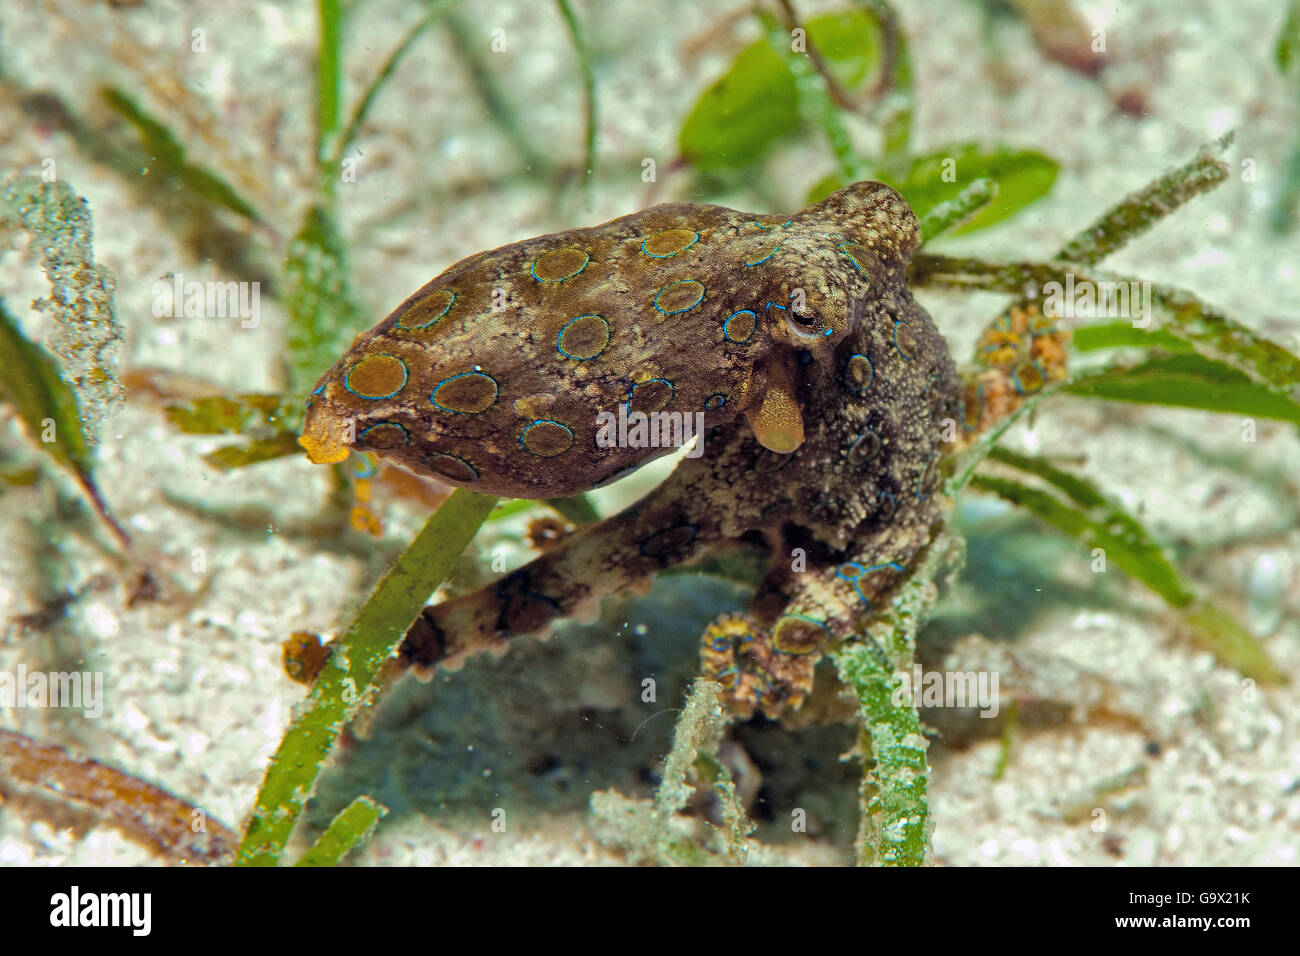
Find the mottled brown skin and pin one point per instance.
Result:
(844, 514)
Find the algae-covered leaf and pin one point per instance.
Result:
(1188, 380)
(349, 679)
(1223, 339)
(169, 154)
(956, 212)
(348, 830)
(1072, 505)
(750, 107)
(84, 335)
(323, 316)
(1213, 335)
(1022, 176)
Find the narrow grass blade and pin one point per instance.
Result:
(47, 408)
(588, 86)
(1078, 509)
(1173, 311)
(171, 159)
(381, 79)
(346, 683)
(1115, 335)
(346, 832)
(1187, 380)
(329, 80)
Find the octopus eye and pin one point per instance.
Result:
(804, 328)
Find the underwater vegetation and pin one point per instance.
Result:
(843, 439)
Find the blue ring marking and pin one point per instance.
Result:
(811, 620)
(829, 332)
(855, 579)
(320, 389)
(406, 377)
(559, 336)
(532, 268)
(708, 407)
(907, 357)
(545, 421)
(496, 391)
(798, 617)
(720, 643)
(862, 435)
(670, 285)
(655, 255)
(727, 325)
(672, 391)
(1042, 329)
(727, 672)
(443, 454)
(369, 428)
(892, 565)
(759, 262)
(414, 328)
(786, 224)
(365, 465)
(760, 225)
(1015, 377)
(871, 381)
(854, 261)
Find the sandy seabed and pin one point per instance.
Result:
(1189, 767)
